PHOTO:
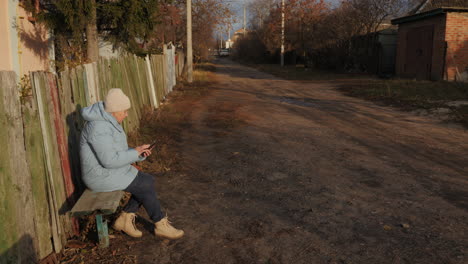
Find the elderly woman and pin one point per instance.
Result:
(106, 164)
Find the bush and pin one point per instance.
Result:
(250, 49)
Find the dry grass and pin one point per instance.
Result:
(407, 94)
(423, 93)
(299, 73)
(411, 94)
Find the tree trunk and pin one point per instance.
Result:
(92, 35)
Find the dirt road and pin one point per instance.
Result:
(274, 171)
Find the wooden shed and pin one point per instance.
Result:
(433, 45)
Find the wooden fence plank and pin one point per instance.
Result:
(158, 71)
(104, 74)
(138, 83)
(91, 83)
(8, 218)
(167, 81)
(21, 179)
(128, 124)
(35, 156)
(20, 195)
(62, 145)
(54, 103)
(144, 80)
(73, 123)
(150, 80)
(57, 145)
(78, 87)
(172, 66)
(57, 233)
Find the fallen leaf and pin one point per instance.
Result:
(405, 225)
(75, 244)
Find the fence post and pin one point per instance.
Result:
(158, 67)
(173, 72)
(165, 70)
(154, 98)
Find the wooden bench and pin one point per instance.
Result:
(103, 203)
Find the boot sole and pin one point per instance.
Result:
(116, 229)
(121, 230)
(171, 238)
(130, 235)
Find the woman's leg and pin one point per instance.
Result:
(132, 205)
(143, 192)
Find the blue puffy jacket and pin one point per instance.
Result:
(104, 152)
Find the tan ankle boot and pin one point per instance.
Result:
(163, 228)
(126, 223)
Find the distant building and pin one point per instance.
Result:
(433, 45)
(26, 45)
(229, 44)
(107, 50)
(238, 34)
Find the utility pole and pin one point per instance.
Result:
(189, 42)
(282, 33)
(245, 19)
(220, 40)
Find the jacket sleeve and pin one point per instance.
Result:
(102, 145)
(140, 158)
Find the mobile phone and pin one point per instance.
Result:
(152, 145)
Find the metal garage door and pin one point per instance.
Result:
(418, 61)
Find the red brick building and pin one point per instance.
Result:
(433, 45)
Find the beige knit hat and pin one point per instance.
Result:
(116, 101)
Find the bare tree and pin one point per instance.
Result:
(208, 16)
(314, 27)
(303, 18)
(372, 13)
(259, 10)
(92, 46)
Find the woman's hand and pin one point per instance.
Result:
(143, 150)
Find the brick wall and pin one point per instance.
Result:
(456, 36)
(438, 46)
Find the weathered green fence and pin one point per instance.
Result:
(41, 126)
(16, 241)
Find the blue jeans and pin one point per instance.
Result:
(144, 193)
